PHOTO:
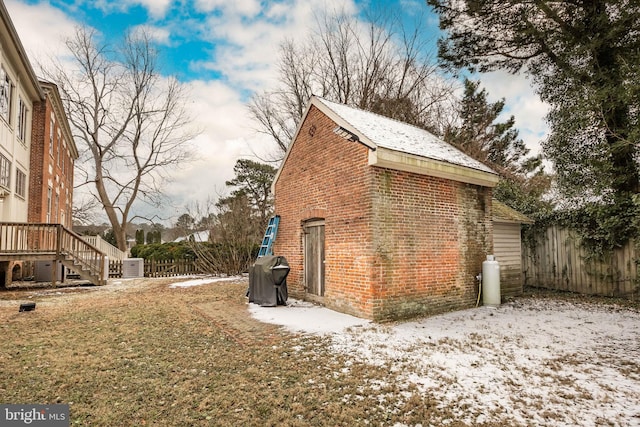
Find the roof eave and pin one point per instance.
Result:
(512, 221)
(17, 53)
(286, 154)
(505, 214)
(58, 106)
(391, 159)
(339, 121)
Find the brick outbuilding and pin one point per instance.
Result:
(380, 219)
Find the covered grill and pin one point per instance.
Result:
(268, 281)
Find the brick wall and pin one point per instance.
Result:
(37, 163)
(397, 244)
(432, 236)
(46, 170)
(325, 177)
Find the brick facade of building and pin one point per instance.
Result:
(397, 244)
(53, 154)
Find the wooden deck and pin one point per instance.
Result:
(52, 242)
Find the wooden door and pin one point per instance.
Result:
(314, 257)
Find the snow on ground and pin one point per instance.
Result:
(538, 362)
(202, 281)
(302, 316)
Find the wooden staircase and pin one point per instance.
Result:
(111, 251)
(53, 242)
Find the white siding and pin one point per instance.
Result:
(24, 86)
(507, 248)
(12, 207)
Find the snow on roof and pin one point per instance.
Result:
(198, 236)
(398, 136)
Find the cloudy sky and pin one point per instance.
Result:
(225, 51)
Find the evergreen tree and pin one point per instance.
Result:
(479, 135)
(253, 179)
(584, 57)
(185, 222)
(497, 144)
(154, 236)
(109, 237)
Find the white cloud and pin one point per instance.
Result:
(217, 109)
(249, 47)
(160, 35)
(156, 8)
(245, 36)
(42, 29)
(237, 7)
(228, 135)
(522, 102)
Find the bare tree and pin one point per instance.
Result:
(84, 211)
(234, 234)
(129, 122)
(235, 222)
(377, 65)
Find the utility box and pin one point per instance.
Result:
(44, 271)
(132, 267)
(105, 272)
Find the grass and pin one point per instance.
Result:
(146, 354)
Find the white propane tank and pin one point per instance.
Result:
(490, 282)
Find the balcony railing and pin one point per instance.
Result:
(30, 241)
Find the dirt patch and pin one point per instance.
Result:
(233, 320)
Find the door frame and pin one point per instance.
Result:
(306, 225)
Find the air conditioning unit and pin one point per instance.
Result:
(44, 271)
(132, 267)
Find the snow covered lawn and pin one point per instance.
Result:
(533, 361)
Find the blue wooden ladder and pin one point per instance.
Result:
(266, 248)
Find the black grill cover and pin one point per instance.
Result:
(268, 281)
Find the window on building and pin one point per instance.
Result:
(5, 172)
(52, 125)
(59, 147)
(6, 91)
(21, 183)
(55, 208)
(22, 120)
(49, 194)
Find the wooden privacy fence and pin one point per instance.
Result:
(558, 262)
(163, 268)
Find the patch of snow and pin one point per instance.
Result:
(202, 281)
(301, 316)
(528, 362)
